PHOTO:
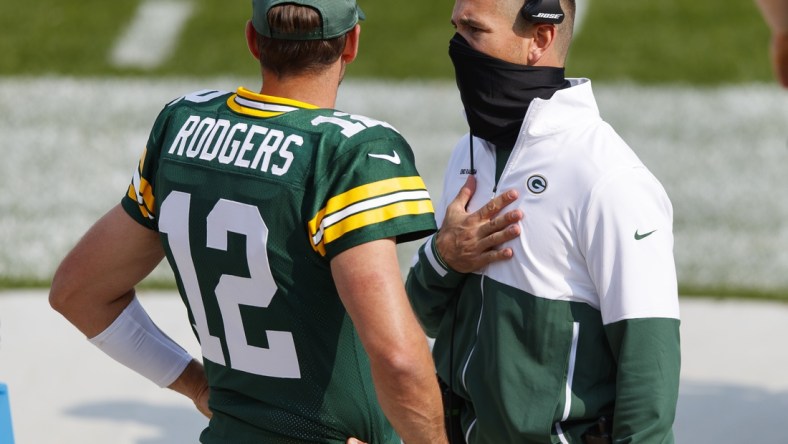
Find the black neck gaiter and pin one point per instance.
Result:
(496, 94)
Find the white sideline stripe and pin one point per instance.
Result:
(151, 35)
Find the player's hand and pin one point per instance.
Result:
(201, 401)
(199, 392)
(193, 384)
(354, 441)
(469, 241)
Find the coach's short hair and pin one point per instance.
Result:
(290, 57)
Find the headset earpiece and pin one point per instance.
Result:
(543, 11)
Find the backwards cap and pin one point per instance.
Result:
(337, 17)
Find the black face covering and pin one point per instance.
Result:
(496, 94)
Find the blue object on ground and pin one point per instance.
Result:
(6, 430)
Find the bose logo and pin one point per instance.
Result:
(545, 15)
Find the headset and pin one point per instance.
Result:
(543, 11)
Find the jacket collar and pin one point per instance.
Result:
(567, 108)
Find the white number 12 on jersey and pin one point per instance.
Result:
(280, 359)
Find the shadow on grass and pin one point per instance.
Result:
(174, 425)
(707, 413)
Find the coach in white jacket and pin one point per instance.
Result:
(575, 339)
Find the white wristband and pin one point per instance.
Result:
(136, 342)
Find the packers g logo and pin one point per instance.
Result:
(536, 184)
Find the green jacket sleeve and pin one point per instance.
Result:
(431, 285)
(648, 356)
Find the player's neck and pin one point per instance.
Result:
(318, 89)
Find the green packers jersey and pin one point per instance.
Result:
(253, 196)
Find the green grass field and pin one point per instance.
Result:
(703, 42)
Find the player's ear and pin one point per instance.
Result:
(351, 45)
(251, 40)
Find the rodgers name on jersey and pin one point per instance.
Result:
(251, 146)
(239, 144)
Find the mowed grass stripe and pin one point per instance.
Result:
(697, 42)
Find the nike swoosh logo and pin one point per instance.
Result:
(641, 236)
(393, 159)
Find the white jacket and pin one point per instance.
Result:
(583, 320)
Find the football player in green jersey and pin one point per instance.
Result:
(279, 216)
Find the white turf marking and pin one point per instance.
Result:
(581, 7)
(152, 34)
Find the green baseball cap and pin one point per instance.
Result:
(338, 17)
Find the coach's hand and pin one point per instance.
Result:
(469, 241)
(354, 441)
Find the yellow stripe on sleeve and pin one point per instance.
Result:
(377, 215)
(366, 205)
(364, 192)
(133, 195)
(145, 192)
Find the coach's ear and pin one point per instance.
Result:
(542, 39)
(251, 40)
(351, 44)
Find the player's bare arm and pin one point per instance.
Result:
(470, 241)
(94, 287)
(370, 286)
(95, 282)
